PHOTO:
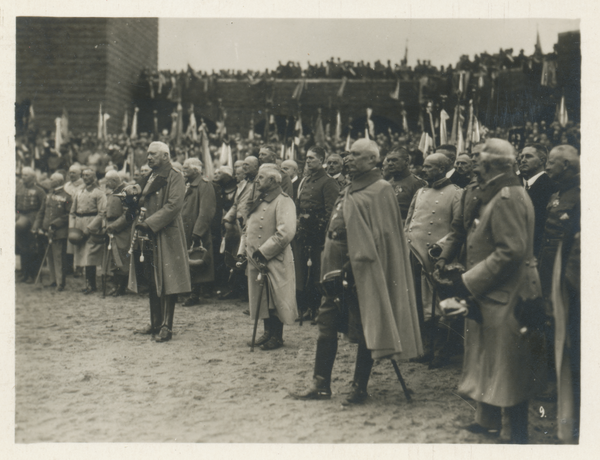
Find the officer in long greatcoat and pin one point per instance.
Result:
(87, 213)
(165, 258)
(499, 369)
(266, 243)
(198, 211)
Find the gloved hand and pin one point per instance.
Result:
(86, 231)
(132, 189)
(259, 257)
(142, 226)
(440, 265)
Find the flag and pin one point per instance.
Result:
(431, 130)
(370, 124)
(125, 124)
(273, 127)
(133, 134)
(173, 134)
(206, 158)
(319, 133)
(425, 144)
(396, 94)
(64, 126)
(563, 117)
(292, 152)
(100, 124)
(179, 134)
(454, 134)
(340, 92)
(224, 154)
(251, 130)
(444, 117)
(469, 126)
(156, 136)
(338, 127)
(57, 135)
(405, 60)
(475, 136)
(192, 129)
(105, 118)
(538, 45)
(298, 130)
(460, 143)
(298, 91)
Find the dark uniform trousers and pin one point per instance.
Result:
(162, 308)
(56, 260)
(333, 319)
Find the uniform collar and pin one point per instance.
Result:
(568, 185)
(271, 194)
(316, 175)
(363, 180)
(402, 175)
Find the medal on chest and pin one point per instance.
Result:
(555, 203)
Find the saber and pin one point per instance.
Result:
(262, 281)
(141, 217)
(404, 388)
(43, 260)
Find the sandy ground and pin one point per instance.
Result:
(83, 376)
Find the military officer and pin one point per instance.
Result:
(118, 230)
(430, 217)
(87, 212)
(404, 183)
(30, 198)
(316, 196)
(53, 219)
(335, 168)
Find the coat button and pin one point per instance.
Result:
(260, 226)
(409, 241)
(261, 218)
(259, 236)
(429, 233)
(410, 229)
(432, 212)
(436, 202)
(426, 244)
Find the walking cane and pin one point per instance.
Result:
(105, 266)
(43, 260)
(263, 282)
(404, 388)
(433, 327)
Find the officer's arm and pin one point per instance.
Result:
(331, 190)
(509, 232)
(285, 216)
(208, 207)
(173, 205)
(63, 220)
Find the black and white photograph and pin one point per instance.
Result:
(329, 230)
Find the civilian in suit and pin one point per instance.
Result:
(532, 164)
(290, 167)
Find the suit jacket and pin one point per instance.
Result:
(540, 193)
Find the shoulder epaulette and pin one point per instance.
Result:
(505, 193)
(285, 194)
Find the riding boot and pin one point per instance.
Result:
(325, 358)
(90, 279)
(321, 385)
(276, 340)
(167, 303)
(362, 371)
(266, 334)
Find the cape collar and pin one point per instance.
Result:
(363, 180)
(268, 197)
(440, 183)
(492, 187)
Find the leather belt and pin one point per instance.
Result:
(86, 214)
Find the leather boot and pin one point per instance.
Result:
(324, 359)
(266, 334)
(276, 340)
(121, 287)
(168, 311)
(90, 280)
(362, 372)
(320, 389)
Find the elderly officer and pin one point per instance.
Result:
(405, 184)
(290, 167)
(365, 247)
(316, 196)
(118, 230)
(266, 242)
(430, 217)
(87, 213)
(498, 369)
(163, 253)
(267, 155)
(235, 220)
(75, 181)
(198, 211)
(53, 219)
(335, 166)
(30, 198)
